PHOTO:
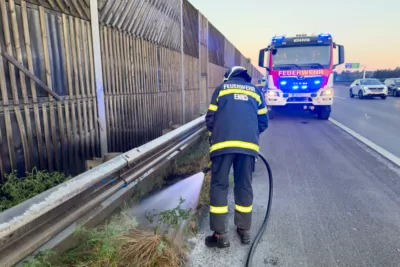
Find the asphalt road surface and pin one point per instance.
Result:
(375, 119)
(335, 203)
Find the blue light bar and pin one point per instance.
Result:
(324, 36)
(278, 39)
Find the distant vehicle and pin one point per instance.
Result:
(368, 88)
(393, 86)
(299, 72)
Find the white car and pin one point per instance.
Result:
(368, 88)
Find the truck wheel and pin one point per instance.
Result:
(383, 97)
(395, 93)
(324, 112)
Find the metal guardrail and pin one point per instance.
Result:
(47, 219)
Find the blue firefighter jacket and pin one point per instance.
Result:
(236, 117)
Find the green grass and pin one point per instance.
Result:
(16, 190)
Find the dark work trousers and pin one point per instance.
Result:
(243, 168)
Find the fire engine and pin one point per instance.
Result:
(299, 72)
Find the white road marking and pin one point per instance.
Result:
(340, 97)
(369, 143)
(367, 117)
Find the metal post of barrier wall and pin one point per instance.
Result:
(94, 18)
(183, 68)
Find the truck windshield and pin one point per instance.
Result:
(303, 57)
(397, 81)
(370, 82)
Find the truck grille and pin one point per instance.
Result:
(300, 85)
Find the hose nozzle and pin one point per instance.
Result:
(208, 168)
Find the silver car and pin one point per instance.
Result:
(368, 88)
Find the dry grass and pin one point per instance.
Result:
(144, 248)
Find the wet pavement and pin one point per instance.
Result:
(336, 202)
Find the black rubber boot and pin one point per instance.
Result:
(217, 240)
(244, 235)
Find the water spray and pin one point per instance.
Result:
(265, 222)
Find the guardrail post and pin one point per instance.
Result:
(94, 18)
(183, 68)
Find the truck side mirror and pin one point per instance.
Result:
(261, 56)
(341, 54)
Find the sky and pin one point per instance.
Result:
(368, 29)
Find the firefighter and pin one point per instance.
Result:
(235, 118)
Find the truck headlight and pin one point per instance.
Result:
(327, 92)
(272, 93)
(365, 88)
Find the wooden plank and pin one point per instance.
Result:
(74, 102)
(61, 6)
(155, 107)
(89, 120)
(7, 117)
(70, 130)
(92, 92)
(122, 107)
(147, 90)
(78, 89)
(77, 8)
(47, 137)
(4, 92)
(42, 18)
(107, 90)
(134, 90)
(118, 105)
(126, 91)
(129, 91)
(138, 91)
(141, 96)
(112, 91)
(60, 113)
(26, 136)
(84, 9)
(115, 103)
(25, 25)
(82, 77)
(14, 62)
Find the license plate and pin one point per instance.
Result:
(299, 95)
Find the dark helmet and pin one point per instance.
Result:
(237, 71)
